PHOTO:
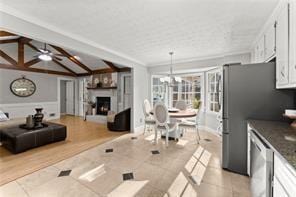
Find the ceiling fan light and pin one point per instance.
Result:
(45, 57)
(77, 57)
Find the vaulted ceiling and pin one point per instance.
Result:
(147, 30)
(20, 53)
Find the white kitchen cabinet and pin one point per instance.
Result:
(261, 47)
(259, 51)
(278, 189)
(282, 48)
(284, 180)
(269, 50)
(292, 44)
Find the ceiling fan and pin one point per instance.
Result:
(46, 55)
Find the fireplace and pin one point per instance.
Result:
(103, 105)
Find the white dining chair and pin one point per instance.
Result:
(161, 116)
(181, 105)
(189, 124)
(149, 120)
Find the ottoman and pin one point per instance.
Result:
(17, 139)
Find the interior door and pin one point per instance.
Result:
(70, 97)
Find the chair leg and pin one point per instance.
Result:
(167, 139)
(155, 135)
(144, 128)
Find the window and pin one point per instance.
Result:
(158, 90)
(214, 91)
(188, 89)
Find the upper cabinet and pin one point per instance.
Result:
(265, 47)
(292, 44)
(279, 41)
(269, 42)
(282, 47)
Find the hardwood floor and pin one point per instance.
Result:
(81, 135)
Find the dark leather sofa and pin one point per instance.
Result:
(17, 140)
(120, 121)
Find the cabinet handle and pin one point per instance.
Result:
(283, 75)
(282, 72)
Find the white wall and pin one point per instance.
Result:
(140, 78)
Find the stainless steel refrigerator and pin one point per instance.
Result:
(248, 92)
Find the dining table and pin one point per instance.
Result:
(188, 113)
(175, 115)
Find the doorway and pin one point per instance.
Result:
(67, 97)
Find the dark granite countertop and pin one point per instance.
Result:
(275, 134)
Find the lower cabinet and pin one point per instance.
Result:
(278, 189)
(284, 180)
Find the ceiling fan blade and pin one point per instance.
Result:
(58, 54)
(57, 58)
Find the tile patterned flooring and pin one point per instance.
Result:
(185, 168)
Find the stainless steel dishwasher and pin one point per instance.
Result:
(261, 166)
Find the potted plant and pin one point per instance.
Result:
(196, 104)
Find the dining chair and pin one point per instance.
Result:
(149, 121)
(181, 105)
(161, 116)
(189, 124)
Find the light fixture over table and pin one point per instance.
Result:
(169, 79)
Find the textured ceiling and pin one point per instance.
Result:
(147, 30)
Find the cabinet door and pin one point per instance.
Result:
(269, 42)
(256, 54)
(278, 190)
(292, 65)
(282, 47)
(261, 50)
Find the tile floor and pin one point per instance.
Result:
(132, 165)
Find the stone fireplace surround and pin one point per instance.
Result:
(93, 94)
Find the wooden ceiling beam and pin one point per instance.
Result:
(125, 69)
(25, 40)
(99, 71)
(32, 47)
(5, 33)
(9, 41)
(32, 62)
(8, 58)
(37, 70)
(71, 58)
(65, 67)
(21, 54)
(104, 70)
(111, 65)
